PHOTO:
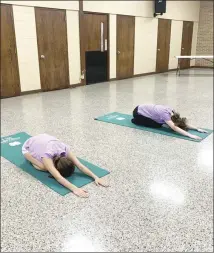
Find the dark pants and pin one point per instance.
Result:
(144, 121)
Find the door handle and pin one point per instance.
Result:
(102, 36)
(182, 48)
(42, 56)
(158, 49)
(118, 52)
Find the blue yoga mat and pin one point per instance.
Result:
(11, 149)
(125, 120)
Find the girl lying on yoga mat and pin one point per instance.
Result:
(47, 153)
(157, 115)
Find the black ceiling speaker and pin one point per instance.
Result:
(160, 7)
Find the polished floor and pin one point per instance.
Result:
(160, 197)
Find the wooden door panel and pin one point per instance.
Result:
(186, 44)
(163, 45)
(52, 48)
(95, 43)
(167, 43)
(92, 29)
(160, 65)
(125, 46)
(10, 82)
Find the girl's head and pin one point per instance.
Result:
(64, 166)
(178, 121)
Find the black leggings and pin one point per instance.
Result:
(144, 121)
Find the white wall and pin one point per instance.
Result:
(205, 33)
(113, 45)
(68, 5)
(26, 41)
(146, 28)
(176, 40)
(175, 43)
(27, 50)
(134, 8)
(145, 45)
(145, 34)
(182, 10)
(177, 10)
(73, 46)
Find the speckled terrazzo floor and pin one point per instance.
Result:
(161, 194)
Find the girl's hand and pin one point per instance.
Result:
(100, 181)
(81, 193)
(201, 130)
(195, 137)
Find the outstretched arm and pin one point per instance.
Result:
(197, 129)
(49, 165)
(85, 170)
(181, 131)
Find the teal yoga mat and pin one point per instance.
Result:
(125, 120)
(11, 149)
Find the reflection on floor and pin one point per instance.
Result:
(160, 197)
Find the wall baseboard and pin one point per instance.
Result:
(135, 75)
(202, 67)
(30, 92)
(145, 74)
(23, 93)
(172, 70)
(154, 73)
(72, 86)
(40, 90)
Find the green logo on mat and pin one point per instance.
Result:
(112, 116)
(120, 118)
(15, 143)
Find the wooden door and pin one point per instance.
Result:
(52, 48)
(95, 48)
(125, 46)
(10, 83)
(92, 29)
(163, 45)
(186, 44)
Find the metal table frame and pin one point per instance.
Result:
(178, 71)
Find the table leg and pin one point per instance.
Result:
(207, 60)
(177, 68)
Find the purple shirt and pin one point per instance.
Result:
(44, 145)
(158, 113)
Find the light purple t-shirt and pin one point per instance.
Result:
(44, 145)
(158, 113)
